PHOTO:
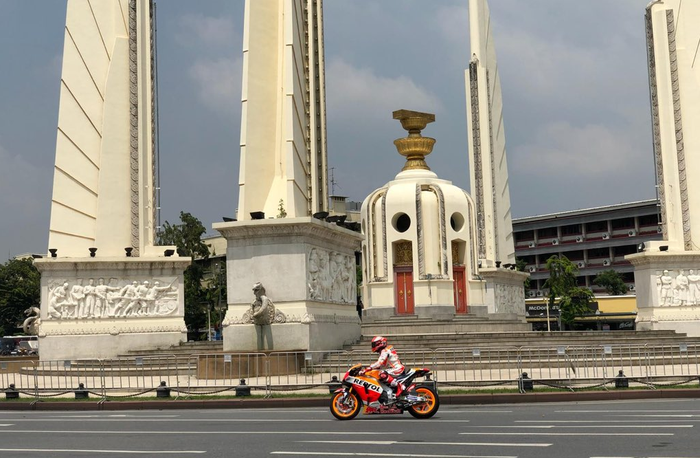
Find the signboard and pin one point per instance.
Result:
(540, 310)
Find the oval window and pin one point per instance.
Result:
(457, 222)
(401, 222)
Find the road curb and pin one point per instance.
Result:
(453, 399)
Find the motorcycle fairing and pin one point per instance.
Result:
(367, 388)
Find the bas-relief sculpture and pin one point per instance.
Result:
(678, 290)
(116, 299)
(331, 277)
(509, 298)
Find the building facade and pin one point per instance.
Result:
(595, 239)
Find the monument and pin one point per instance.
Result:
(666, 278)
(431, 249)
(421, 252)
(106, 288)
(488, 168)
(281, 238)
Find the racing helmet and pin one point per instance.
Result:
(378, 344)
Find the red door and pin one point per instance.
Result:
(460, 289)
(403, 279)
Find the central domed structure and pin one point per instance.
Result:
(419, 252)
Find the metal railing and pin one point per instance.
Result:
(564, 367)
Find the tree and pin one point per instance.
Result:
(187, 237)
(19, 290)
(520, 265)
(573, 301)
(612, 282)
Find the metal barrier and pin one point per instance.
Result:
(562, 367)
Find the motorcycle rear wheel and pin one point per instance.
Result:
(347, 410)
(428, 408)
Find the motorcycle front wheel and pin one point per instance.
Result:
(428, 408)
(345, 410)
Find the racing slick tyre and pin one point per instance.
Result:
(428, 408)
(345, 410)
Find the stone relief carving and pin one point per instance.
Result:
(118, 298)
(510, 298)
(306, 318)
(331, 276)
(679, 290)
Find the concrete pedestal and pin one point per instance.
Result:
(308, 269)
(105, 307)
(504, 293)
(667, 284)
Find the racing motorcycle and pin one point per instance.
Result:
(364, 388)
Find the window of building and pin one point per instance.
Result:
(597, 226)
(598, 253)
(624, 250)
(547, 232)
(524, 236)
(649, 220)
(623, 223)
(574, 255)
(571, 229)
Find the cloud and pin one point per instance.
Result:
(452, 22)
(218, 83)
(562, 149)
(354, 92)
(15, 175)
(210, 31)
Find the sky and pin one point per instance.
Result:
(573, 75)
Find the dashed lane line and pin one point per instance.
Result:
(596, 434)
(486, 444)
(122, 452)
(382, 454)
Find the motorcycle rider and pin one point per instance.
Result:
(389, 359)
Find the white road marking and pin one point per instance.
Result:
(212, 420)
(328, 433)
(661, 416)
(488, 444)
(444, 411)
(176, 420)
(625, 411)
(568, 434)
(126, 452)
(599, 421)
(114, 416)
(587, 426)
(382, 454)
(6, 424)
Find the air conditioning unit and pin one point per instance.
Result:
(581, 264)
(531, 245)
(540, 294)
(555, 241)
(531, 294)
(532, 269)
(579, 239)
(606, 236)
(606, 262)
(631, 233)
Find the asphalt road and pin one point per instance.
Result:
(616, 429)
